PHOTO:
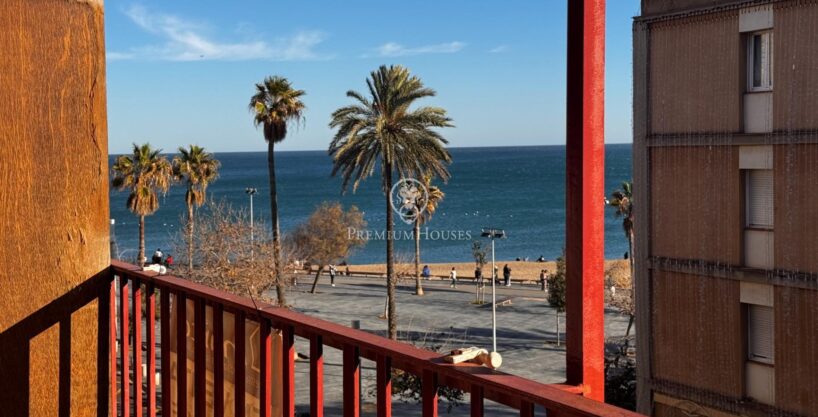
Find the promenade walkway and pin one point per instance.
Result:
(445, 319)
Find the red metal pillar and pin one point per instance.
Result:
(585, 192)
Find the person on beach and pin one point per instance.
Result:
(453, 277)
(157, 257)
(507, 275)
(427, 272)
(541, 259)
(332, 272)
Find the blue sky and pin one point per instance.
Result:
(182, 72)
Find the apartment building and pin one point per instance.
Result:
(726, 183)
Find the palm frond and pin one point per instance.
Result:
(384, 128)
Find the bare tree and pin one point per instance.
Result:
(328, 236)
(224, 255)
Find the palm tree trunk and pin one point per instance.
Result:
(317, 275)
(140, 257)
(390, 263)
(418, 286)
(190, 237)
(633, 285)
(279, 278)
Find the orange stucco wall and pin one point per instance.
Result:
(796, 207)
(796, 350)
(694, 80)
(795, 61)
(697, 317)
(696, 203)
(53, 202)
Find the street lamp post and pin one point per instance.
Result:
(251, 192)
(493, 234)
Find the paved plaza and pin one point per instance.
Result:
(444, 319)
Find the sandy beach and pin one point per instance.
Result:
(520, 270)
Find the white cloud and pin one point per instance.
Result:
(498, 49)
(394, 49)
(188, 41)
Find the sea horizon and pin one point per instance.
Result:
(518, 188)
(325, 150)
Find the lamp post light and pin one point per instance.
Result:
(251, 192)
(493, 234)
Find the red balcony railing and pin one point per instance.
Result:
(137, 397)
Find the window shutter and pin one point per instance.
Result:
(761, 331)
(760, 198)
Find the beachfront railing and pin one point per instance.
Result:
(130, 395)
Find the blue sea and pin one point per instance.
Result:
(519, 189)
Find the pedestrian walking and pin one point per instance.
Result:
(544, 280)
(478, 277)
(507, 275)
(332, 272)
(453, 277)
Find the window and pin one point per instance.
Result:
(760, 331)
(760, 61)
(759, 198)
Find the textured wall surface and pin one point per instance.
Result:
(796, 207)
(795, 79)
(698, 317)
(695, 76)
(796, 350)
(653, 7)
(53, 203)
(696, 203)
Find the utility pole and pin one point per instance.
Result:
(251, 192)
(493, 234)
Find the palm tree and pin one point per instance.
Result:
(275, 105)
(425, 212)
(384, 131)
(143, 174)
(622, 201)
(198, 168)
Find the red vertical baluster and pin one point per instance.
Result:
(164, 349)
(137, 347)
(288, 370)
(218, 360)
(200, 358)
(124, 318)
(476, 401)
(585, 187)
(383, 382)
(526, 409)
(316, 376)
(352, 386)
(181, 354)
(239, 374)
(150, 308)
(113, 345)
(429, 393)
(266, 352)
